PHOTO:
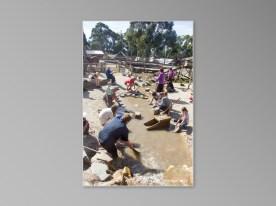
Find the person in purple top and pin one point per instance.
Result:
(160, 80)
(171, 74)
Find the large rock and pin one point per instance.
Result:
(100, 169)
(102, 155)
(90, 142)
(86, 161)
(118, 177)
(89, 177)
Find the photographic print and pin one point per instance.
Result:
(138, 98)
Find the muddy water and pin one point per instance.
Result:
(159, 148)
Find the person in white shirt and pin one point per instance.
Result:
(107, 114)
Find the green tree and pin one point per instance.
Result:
(142, 39)
(85, 42)
(102, 38)
(185, 46)
(150, 38)
(120, 44)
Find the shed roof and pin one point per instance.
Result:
(94, 52)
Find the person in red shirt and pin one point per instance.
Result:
(130, 83)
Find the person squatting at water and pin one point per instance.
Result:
(113, 131)
(85, 125)
(156, 98)
(107, 114)
(130, 83)
(170, 78)
(183, 120)
(160, 80)
(110, 95)
(165, 103)
(109, 75)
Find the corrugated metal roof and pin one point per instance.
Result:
(94, 52)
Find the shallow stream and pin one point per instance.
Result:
(159, 148)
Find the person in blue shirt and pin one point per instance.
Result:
(109, 75)
(165, 103)
(113, 131)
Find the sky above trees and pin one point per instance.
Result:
(181, 27)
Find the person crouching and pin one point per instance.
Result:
(155, 100)
(183, 120)
(165, 103)
(113, 131)
(130, 83)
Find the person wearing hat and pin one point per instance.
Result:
(113, 131)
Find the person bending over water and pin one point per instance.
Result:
(130, 83)
(165, 102)
(156, 97)
(113, 131)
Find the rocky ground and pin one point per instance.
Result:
(99, 168)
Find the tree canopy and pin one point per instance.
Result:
(143, 39)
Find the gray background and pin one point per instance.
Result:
(40, 71)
